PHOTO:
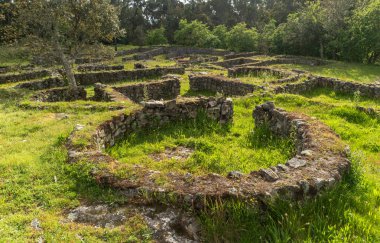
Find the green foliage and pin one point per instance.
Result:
(195, 34)
(241, 38)
(364, 35)
(267, 38)
(221, 32)
(303, 31)
(156, 37)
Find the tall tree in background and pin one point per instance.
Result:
(64, 27)
(364, 44)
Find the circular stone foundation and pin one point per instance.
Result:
(202, 146)
(320, 159)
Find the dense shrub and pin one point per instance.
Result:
(156, 37)
(195, 34)
(241, 38)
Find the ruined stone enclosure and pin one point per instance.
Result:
(166, 139)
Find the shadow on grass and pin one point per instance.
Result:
(193, 128)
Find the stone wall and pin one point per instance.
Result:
(100, 67)
(236, 62)
(107, 94)
(164, 89)
(85, 60)
(10, 78)
(368, 90)
(116, 76)
(60, 94)
(220, 84)
(283, 76)
(155, 113)
(319, 163)
(241, 54)
(42, 84)
(290, 60)
(132, 51)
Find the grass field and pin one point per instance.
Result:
(214, 148)
(346, 71)
(36, 181)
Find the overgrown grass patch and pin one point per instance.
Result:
(216, 148)
(342, 70)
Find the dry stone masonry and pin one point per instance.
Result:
(319, 163)
(164, 89)
(61, 94)
(10, 78)
(99, 67)
(368, 90)
(220, 84)
(117, 76)
(43, 84)
(282, 75)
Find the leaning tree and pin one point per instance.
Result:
(62, 28)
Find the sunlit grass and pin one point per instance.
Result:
(217, 149)
(347, 71)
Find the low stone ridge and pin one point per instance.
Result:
(236, 62)
(60, 94)
(195, 60)
(239, 54)
(43, 84)
(107, 94)
(290, 60)
(368, 90)
(99, 67)
(284, 76)
(163, 89)
(320, 161)
(132, 51)
(11, 78)
(4, 69)
(85, 60)
(139, 66)
(220, 84)
(116, 76)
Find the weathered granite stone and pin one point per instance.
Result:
(296, 163)
(269, 174)
(220, 84)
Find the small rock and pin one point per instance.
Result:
(269, 175)
(296, 163)
(282, 167)
(36, 224)
(78, 127)
(319, 183)
(61, 116)
(268, 106)
(308, 153)
(234, 175)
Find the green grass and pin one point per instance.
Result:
(217, 149)
(259, 78)
(329, 96)
(348, 213)
(347, 71)
(36, 181)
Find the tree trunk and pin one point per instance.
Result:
(66, 65)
